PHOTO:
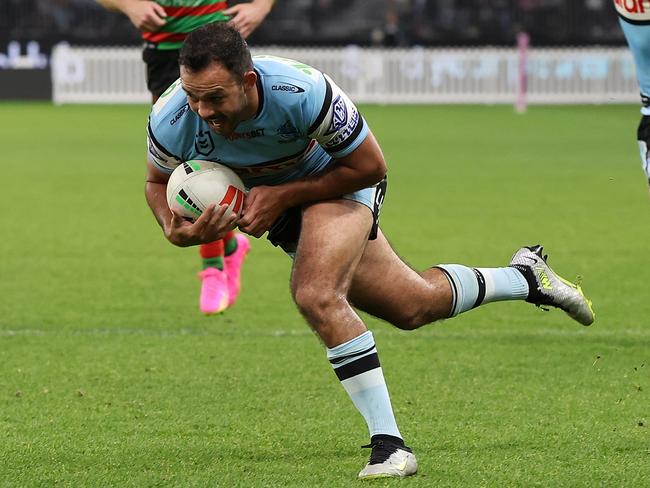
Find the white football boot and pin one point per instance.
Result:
(389, 458)
(547, 288)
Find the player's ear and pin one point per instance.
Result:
(250, 78)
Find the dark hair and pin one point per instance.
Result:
(217, 42)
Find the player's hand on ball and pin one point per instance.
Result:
(262, 206)
(212, 225)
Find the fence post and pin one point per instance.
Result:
(523, 41)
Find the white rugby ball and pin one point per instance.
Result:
(196, 184)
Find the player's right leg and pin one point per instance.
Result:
(386, 287)
(332, 239)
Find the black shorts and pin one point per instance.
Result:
(285, 231)
(162, 69)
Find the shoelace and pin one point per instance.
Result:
(381, 451)
(538, 305)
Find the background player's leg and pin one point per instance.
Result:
(220, 279)
(214, 285)
(236, 247)
(332, 240)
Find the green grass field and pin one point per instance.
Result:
(109, 376)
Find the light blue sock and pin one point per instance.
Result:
(472, 287)
(356, 364)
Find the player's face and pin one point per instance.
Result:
(219, 98)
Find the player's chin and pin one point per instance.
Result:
(224, 130)
(220, 126)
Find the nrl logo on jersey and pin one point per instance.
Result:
(203, 142)
(287, 133)
(635, 11)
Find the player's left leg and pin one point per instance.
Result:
(386, 287)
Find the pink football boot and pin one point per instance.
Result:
(214, 291)
(233, 266)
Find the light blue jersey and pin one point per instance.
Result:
(303, 123)
(634, 17)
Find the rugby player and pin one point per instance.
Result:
(317, 180)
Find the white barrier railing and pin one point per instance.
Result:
(417, 75)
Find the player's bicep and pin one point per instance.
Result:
(338, 127)
(367, 159)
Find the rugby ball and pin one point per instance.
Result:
(196, 184)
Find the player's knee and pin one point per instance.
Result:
(315, 303)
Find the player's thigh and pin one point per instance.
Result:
(333, 236)
(386, 287)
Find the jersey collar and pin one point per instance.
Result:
(260, 93)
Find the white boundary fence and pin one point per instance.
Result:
(409, 76)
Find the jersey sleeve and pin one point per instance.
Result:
(157, 153)
(337, 124)
(164, 129)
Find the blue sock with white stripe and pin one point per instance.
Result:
(356, 364)
(472, 287)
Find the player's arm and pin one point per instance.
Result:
(145, 15)
(363, 167)
(155, 191)
(335, 123)
(245, 17)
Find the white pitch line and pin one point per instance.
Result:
(437, 332)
